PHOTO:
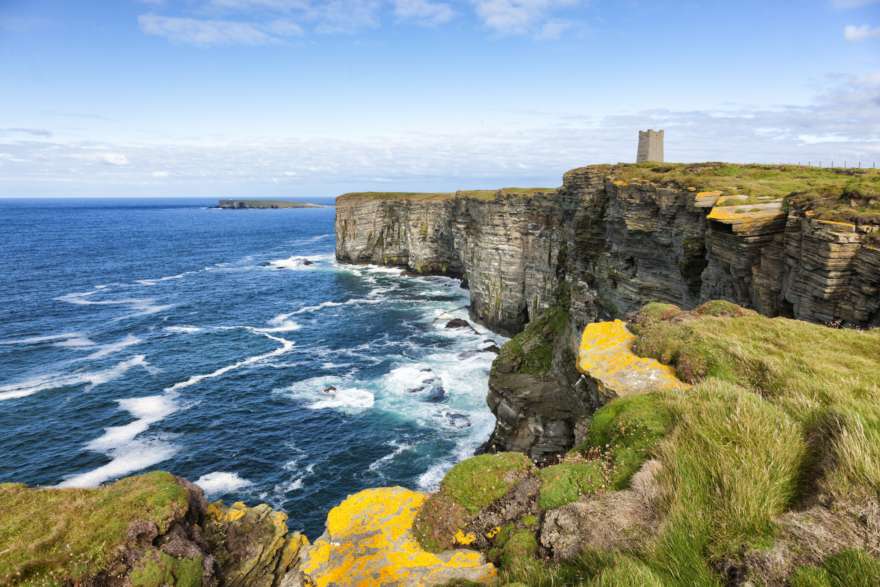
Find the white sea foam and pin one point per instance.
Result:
(407, 377)
(221, 482)
(63, 339)
(280, 323)
(130, 453)
(398, 449)
(151, 282)
(56, 380)
(345, 399)
(183, 329)
(112, 348)
(134, 456)
(285, 347)
(146, 411)
(141, 306)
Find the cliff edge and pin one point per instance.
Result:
(784, 240)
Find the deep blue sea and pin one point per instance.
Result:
(166, 334)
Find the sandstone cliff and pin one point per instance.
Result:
(786, 241)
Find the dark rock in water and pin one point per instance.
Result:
(468, 354)
(437, 393)
(307, 262)
(460, 323)
(329, 389)
(492, 348)
(458, 420)
(265, 264)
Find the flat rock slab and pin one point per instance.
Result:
(369, 541)
(606, 355)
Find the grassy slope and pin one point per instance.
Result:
(49, 536)
(781, 410)
(741, 452)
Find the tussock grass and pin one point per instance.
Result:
(779, 412)
(59, 536)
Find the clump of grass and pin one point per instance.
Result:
(627, 430)
(567, 482)
(470, 486)
(531, 351)
(731, 466)
(59, 536)
(848, 568)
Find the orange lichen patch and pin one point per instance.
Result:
(606, 356)
(369, 542)
(620, 183)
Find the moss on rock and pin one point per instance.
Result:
(69, 535)
(566, 482)
(469, 487)
(626, 430)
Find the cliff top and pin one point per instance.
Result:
(845, 195)
(355, 197)
(848, 195)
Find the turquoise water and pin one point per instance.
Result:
(165, 334)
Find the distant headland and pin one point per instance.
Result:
(264, 204)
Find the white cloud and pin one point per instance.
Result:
(520, 17)
(117, 159)
(423, 12)
(160, 174)
(553, 29)
(839, 125)
(205, 32)
(856, 33)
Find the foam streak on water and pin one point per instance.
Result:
(230, 349)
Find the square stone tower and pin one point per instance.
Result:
(650, 146)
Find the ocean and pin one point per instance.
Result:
(228, 347)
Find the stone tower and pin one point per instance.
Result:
(650, 146)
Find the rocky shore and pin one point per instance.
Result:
(728, 455)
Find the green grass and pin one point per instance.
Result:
(848, 568)
(739, 454)
(531, 351)
(52, 536)
(567, 482)
(158, 569)
(731, 466)
(469, 487)
(779, 411)
(477, 482)
(627, 430)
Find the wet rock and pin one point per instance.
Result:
(460, 323)
(492, 348)
(457, 420)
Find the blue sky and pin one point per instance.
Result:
(315, 97)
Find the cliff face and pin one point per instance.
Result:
(614, 242)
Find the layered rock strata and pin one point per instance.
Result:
(610, 243)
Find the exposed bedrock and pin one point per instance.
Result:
(606, 246)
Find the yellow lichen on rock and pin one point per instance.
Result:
(369, 541)
(606, 355)
(742, 216)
